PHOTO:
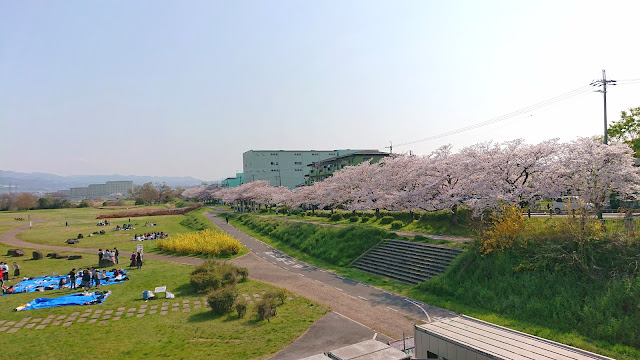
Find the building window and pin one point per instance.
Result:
(314, 154)
(298, 163)
(274, 163)
(298, 169)
(297, 154)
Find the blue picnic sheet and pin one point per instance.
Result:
(74, 299)
(51, 282)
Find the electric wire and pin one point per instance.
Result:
(576, 92)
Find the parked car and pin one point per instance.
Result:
(564, 203)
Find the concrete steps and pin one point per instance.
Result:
(407, 261)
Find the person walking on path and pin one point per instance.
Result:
(139, 260)
(227, 218)
(116, 253)
(16, 269)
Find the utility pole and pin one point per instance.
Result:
(603, 84)
(390, 147)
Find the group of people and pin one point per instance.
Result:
(123, 227)
(109, 255)
(4, 271)
(89, 277)
(103, 223)
(150, 224)
(150, 236)
(136, 260)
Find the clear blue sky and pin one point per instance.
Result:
(184, 88)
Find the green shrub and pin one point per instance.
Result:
(243, 272)
(336, 217)
(139, 202)
(397, 224)
(241, 307)
(386, 220)
(364, 219)
(354, 219)
(266, 308)
(205, 281)
(221, 301)
(213, 275)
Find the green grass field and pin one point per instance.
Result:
(178, 335)
(50, 228)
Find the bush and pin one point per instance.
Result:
(397, 224)
(364, 219)
(213, 275)
(84, 204)
(206, 281)
(139, 202)
(206, 242)
(386, 220)
(221, 301)
(266, 308)
(241, 307)
(243, 272)
(354, 219)
(336, 217)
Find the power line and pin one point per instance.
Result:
(579, 91)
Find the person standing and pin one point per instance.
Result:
(116, 253)
(96, 277)
(66, 224)
(133, 259)
(5, 268)
(227, 219)
(16, 269)
(2, 273)
(100, 255)
(139, 260)
(72, 278)
(86, 279)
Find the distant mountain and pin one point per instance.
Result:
(11, 181)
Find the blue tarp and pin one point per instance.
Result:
(52, 282)
(74, 299)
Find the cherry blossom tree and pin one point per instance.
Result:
(592, 171)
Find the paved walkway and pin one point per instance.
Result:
(453, 238)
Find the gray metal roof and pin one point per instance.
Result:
(498, 342)
(368, 350)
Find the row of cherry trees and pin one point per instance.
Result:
(482, 176)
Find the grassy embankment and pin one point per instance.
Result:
(176, 335)
(422, 222)
(518, 287)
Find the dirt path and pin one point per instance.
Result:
(377, 317)
(453, 238)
